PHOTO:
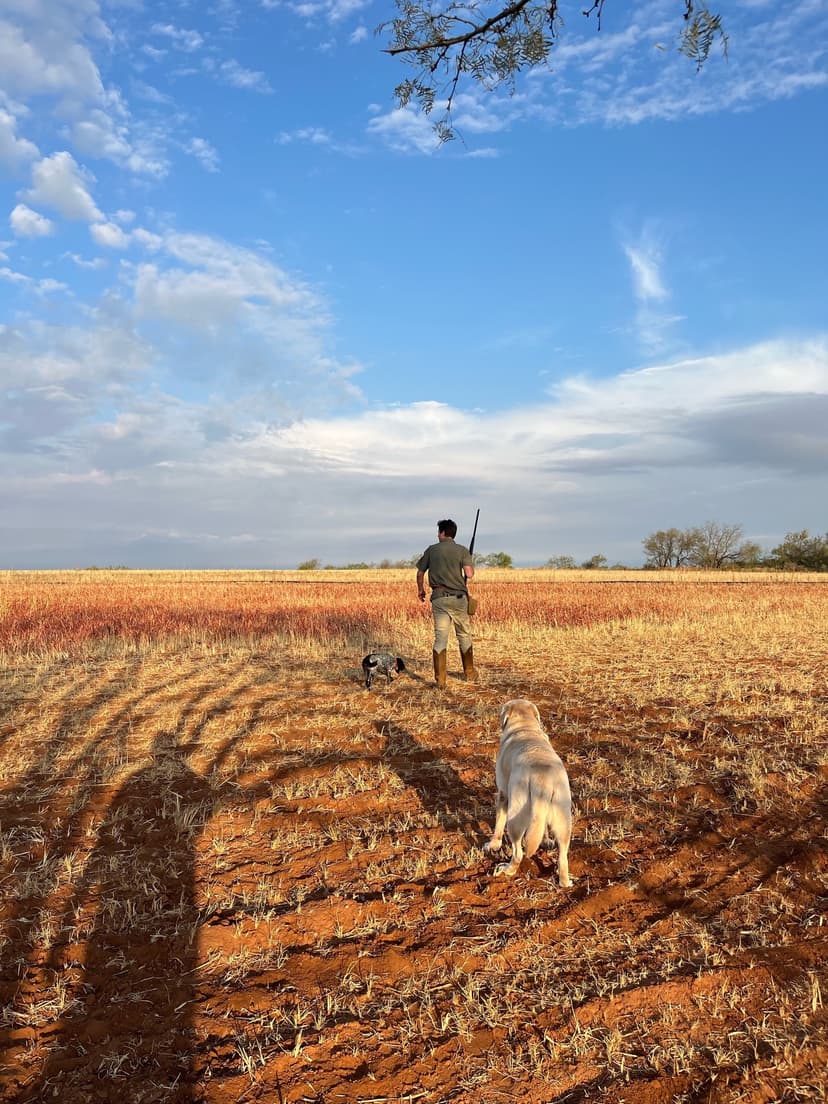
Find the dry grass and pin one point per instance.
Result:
(231, 874)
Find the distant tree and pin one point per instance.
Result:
(801, 550)
(749, 554)
(478, 559)
(594, 563)
(310, 565)
(716, 545)
(669, 547)
(498, 559)
(560, 563)
(449, 42)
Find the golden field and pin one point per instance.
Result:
(231, 874)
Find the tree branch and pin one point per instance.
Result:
(477, 31)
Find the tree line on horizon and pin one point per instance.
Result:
(711, 546)
(715, 545)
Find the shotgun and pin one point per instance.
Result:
(472, 602)
(474, 533)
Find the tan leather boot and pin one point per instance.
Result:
(468, 665)
(439, 668)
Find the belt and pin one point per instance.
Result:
(450, 593)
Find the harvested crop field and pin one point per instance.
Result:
(231, 874)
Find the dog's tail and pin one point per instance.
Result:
(542, 799)
(536, 831)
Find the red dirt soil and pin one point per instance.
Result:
(279, 896)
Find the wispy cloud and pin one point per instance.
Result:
(626, 78)
(333, 11)
(645, 262)
(180, 37)
(237, 76)
(92, 263)
(654, 320)
(317, 136)
(204, 153)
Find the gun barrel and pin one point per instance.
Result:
(474, 532)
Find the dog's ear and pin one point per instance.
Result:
(505, 710)
(537, 713)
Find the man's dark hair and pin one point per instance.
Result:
(448, 527)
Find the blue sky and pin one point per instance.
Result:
(251, 313)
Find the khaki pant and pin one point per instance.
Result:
(450, 611)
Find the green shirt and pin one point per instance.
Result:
(444, 562)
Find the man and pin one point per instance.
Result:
(450, 569)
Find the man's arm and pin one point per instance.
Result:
(421, 585)
(468, 566)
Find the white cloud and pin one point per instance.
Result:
(316, 136)
(643, 419)
(204, 153)
(406, 130)
(358, 35)
(47, 286)
(27, 223)
(13, 150)
(47, 60)
(83, 262)
(60, 183)
(181, 38)
(151, 242)
(42, 51)
(645, 262)
(234, 74)
(12, 277)
(109, 235)
(654, 320)
(636, 75)
(475, 111)
(593, 468)
(341, 9)
(319, 138)
(332, 11)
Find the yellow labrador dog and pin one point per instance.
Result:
(533, 797)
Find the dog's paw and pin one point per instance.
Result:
(505, 869)
(492, 845)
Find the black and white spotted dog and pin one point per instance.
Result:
(381, 663)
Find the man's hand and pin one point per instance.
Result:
(421, 585)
